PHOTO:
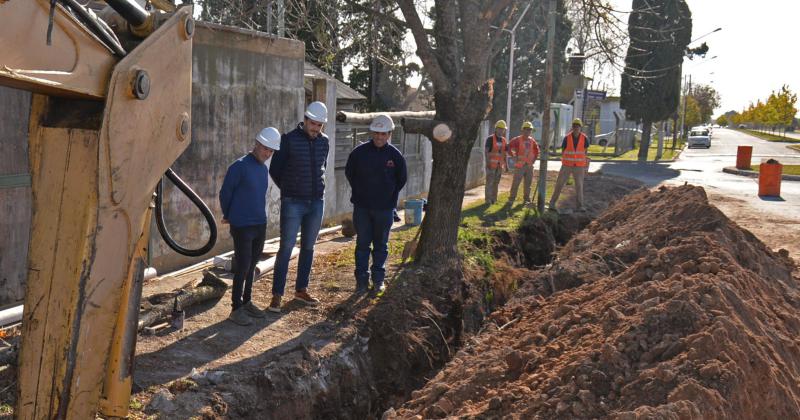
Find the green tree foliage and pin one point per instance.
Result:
(693, 112)
(722, 120)
(707, 99)
(527, 92)
(776, 113)
(659, 31)
(374, 50)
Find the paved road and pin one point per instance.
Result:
(704, 167)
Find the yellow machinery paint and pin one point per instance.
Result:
(97, 150)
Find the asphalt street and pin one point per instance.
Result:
(703, 167)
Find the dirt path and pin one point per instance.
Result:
(778, 233)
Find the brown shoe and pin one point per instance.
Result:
(275, 304)
(303, 296)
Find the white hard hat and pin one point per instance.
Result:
(318, 112)
(270, 137)
(382, 124)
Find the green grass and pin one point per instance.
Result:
(786, 170)
(667, 154)
(769, 137)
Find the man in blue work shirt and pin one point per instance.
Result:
(376, 171)
(243, 199)
(298, 169)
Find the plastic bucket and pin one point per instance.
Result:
(413, 212)
(769, 179)
(743, 156)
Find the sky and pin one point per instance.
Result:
(757, 49)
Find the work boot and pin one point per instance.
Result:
(253, 310)
(239, 317)
(378, 289)
(362, 287)
(275, 304)
(303, 296)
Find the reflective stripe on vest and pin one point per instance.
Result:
(496, 153)
(574, 155)
(527, 156)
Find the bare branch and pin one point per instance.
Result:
(424, 49)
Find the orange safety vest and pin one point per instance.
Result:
(528, 155)
(496, 158)
(574, 155)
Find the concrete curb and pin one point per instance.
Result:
(753, 174)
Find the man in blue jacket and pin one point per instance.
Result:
(243, 199)
(298, 169)
(376, 171)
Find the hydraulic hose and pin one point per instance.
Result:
(198, 202)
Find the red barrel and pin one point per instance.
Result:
(769, 179)
(743, 156)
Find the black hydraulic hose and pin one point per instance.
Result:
(130, 11)
(198, 202)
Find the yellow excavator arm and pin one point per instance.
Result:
(108, 118)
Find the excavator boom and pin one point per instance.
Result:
(105, 124)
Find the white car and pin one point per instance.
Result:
(699, 137)
(608, 139)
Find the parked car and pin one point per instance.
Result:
(699, 137)
(608, 139)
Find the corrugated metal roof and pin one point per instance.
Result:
(342, 90)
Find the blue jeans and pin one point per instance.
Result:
(372, 228)
(248, 242)
(297, 215)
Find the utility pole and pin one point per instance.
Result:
(548, 98)
(685, 100)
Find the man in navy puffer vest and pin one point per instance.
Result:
(298, 169)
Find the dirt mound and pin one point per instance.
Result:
(661, 308)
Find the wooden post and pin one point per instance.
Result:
(548, 97)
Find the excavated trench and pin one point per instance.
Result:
(413, 331)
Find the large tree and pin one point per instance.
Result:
(659, 31)
(707, 99)
(456, 55)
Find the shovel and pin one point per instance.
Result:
(410, 247)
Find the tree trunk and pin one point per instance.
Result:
(674, 132)
(644, 145)
(660, 134)
(438, 241)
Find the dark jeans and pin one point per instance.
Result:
(297, 215)
(372, 228)
(248, 242)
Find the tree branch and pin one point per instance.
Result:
(424, 49)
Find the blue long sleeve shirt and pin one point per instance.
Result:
(243, 196)
(376, 176)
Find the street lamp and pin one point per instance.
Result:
(705, 35)
(512, 31)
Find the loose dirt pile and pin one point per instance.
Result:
(661, 308)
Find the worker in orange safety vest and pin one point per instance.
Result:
(574, 162)
(525, 151)
(496, 152)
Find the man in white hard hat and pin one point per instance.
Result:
(243, 200)
(376, 171)
(298, 169)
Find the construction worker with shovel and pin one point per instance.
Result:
(525, 151)
(376, 171)
(574, 163)
(496, 152)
